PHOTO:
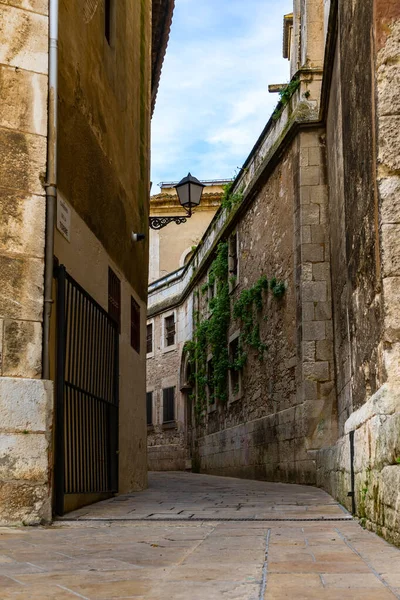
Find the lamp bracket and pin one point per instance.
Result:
(160, 222)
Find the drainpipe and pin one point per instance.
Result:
(51, 183)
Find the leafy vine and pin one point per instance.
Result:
(284, 97)
(245, 309)
(211, 334)
(230, 199)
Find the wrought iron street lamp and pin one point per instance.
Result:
(189, 191)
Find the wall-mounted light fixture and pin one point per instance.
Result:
(138, 237)
(189, 191)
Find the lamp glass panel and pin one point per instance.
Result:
(183, 193)
(195, 194)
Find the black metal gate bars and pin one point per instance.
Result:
(86, 394)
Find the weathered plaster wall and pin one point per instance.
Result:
(25, 401)
(103, 166)
(104, 133)
(87, 261)
(174, 242)
(169, 245)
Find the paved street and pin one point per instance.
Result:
(197, 537)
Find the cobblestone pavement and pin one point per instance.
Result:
(183, 540)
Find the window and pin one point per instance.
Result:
(170, 330)
(287, 36)
(212, 286)
(109, 21)
(135, 325)
(149, 408)
(169, 405)
(235, 372)
(188, 257)
(114, 297)
(210, 381)
(233, 260)
(149, 339)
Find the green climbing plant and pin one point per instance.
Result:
(284, 97)
(231, 199)
(246, 310)
(211, 333)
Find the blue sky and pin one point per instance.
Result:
(213, 100)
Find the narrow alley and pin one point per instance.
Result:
(200, 537)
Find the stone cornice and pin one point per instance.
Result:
(169, 202)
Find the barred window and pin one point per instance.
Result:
(149, 341)
(135, 325)
(169, 405)
(170, 330)
(233, 255)
(114, 297)
(149, 408)
(234, 372)
(210, 381)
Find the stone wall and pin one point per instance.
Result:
(286, 410)
(167, 445)
(25, 400)
(364, 229)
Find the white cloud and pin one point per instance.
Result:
(213, 100)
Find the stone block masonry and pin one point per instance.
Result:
(166, 445)
(26, 402)
(364, 227)
(287, 411)
(315, 375)
(26, 412)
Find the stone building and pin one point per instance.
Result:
(170, 252)
(289, 308)
(78, 84)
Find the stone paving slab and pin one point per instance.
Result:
(185, 496)
(185, 560)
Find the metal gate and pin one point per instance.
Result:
(87, 384)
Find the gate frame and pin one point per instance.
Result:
(61, 275)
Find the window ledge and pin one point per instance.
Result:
(169, 348)
(169, 425)
(233, 287)
(235, 398)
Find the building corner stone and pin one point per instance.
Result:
(26, 423)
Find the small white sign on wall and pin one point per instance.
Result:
(63, 218)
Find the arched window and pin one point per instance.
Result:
(186, 256)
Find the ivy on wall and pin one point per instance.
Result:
(230, 199)
(211, 334)
(285, 96)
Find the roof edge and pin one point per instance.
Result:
(161, 27)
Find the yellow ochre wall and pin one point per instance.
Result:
(103, 172)
(104, 126)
